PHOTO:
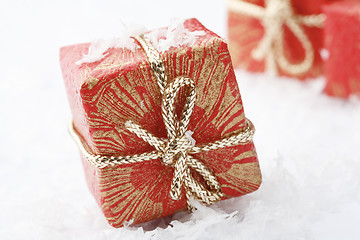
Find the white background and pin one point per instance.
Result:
(308, 143)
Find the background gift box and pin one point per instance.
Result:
(280, 36)
(342, 40)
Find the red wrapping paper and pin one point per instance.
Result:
(104, 95)
(342, 40)
(245, 32)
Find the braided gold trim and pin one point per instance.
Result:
(176, 150)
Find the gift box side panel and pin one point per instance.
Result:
(91, 176)
(342, 38)
(138, 192)
(220, 116)
(74, 76)
(111, 98)
(238, 169)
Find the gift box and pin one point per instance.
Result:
(342, 40)
(159, 122)
(279, 36)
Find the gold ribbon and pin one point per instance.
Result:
(176, 150)
(273, 16)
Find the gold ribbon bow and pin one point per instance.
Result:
(273, 16)
(177, 150)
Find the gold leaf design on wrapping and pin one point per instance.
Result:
(120, 200)
(246, 175)
(221, 160)
(220, 101)
(338, 89)
(117, 60)
(126, 193)
(85, 73)
(91, 82)
(354, 84)
(129, 96)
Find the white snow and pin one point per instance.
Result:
(188, 135)
(163, 39)
(307, 142)
(175, 35)
(98, 47)
(324, 53)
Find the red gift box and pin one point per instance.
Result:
(289, 30)
(121, 87)
(342, 40)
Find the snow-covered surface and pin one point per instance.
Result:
(99, 46)
(308, 143)
(175, 35)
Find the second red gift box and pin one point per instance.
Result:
(279, 36)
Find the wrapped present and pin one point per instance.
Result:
(159, 121)
(342, 40)
(278, 36)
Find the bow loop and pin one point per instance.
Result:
(173, 127)
(173, 148)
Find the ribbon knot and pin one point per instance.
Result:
(274, 16)
(176, 150)
(172, 149)
(278, 9)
